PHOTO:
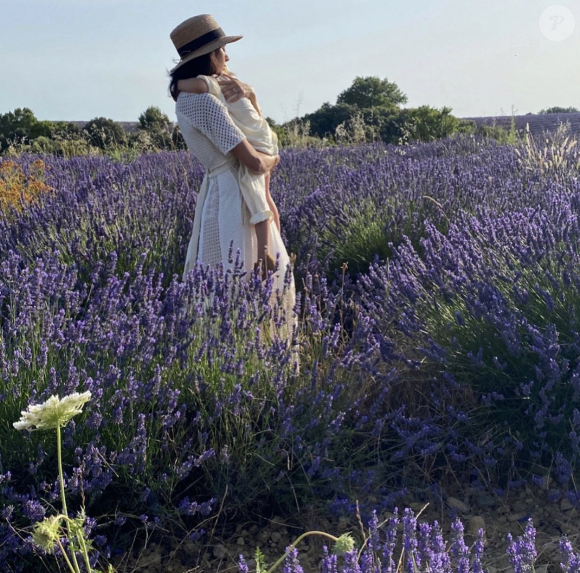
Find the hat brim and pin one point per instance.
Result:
(206, 50)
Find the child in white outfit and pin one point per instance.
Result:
(255, 188)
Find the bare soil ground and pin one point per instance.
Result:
(219, 551)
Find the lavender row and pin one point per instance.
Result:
(403, 544)
(442, 351)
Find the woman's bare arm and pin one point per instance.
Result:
(254, 160)
(243, 151)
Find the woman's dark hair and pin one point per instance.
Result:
(205, 65)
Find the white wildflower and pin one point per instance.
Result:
(344, 544)
(46, 533)
(53, 413)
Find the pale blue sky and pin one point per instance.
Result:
(79, 59)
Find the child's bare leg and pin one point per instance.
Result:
(262, 236)
(271, 203)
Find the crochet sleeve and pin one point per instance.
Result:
(206, 113)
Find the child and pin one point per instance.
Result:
(255, 187)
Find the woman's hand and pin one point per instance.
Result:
(255, 161)
(233, 89)
(270, 161)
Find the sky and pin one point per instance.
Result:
(80, 59)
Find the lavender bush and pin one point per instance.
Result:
(451, 326)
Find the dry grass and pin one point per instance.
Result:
(19, 189)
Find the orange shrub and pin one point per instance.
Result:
(17, 189)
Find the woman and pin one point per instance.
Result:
(255, 187)
(220, 220)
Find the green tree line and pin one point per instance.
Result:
(20, 130)
(371, 109)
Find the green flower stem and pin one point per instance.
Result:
(335, 539)
(63, 497)
(85, 553)
(66, 557)
(83, 546)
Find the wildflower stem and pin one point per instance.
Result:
(85, 553)
(63, 496)
(335, 539)
(66, 557)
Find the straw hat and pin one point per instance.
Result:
(198, 36)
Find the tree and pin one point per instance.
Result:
(426, 123)
(325, 120)
(557, 109)
(371, 91)
(154, 127)
(279, 131)
(387, 122)
(19, 125)
(177, 140)
(370, 109)
(374, 100)
(102, 132)
(153, 119)
(66, 131)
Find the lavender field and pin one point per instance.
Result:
(438, 343)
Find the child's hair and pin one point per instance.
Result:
(205, 65)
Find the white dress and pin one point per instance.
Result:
(210, 135)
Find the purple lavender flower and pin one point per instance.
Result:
(410, 544)
(478, 550)
(291, 563)
(329, 561)
(570, 559)
(242, 565)
(522, 552)
(351, 564)
(459, 550)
